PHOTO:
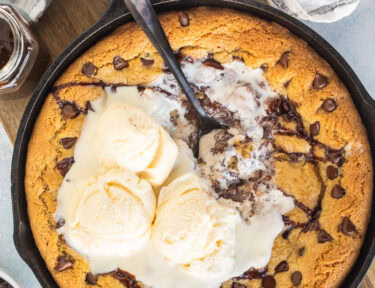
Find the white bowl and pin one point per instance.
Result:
(5, 276)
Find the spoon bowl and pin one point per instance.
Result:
(145, 16)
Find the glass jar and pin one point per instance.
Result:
(18, 51)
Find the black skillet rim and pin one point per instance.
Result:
(115, 15)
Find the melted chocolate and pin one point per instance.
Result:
(278, 108)
(6, 43)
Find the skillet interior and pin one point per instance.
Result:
(116, 15)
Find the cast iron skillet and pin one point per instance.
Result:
(116, 15)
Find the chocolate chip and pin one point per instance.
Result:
(210, 62)
(315, 129)
(296, 278)
(286, 84)
(147, 62)
(237, 193)
(68, 142)
(89, 107)
(64, 165)
(63, 262)
(267, 132)
(335, 156)
(69, 110)
(323, 236)
(120, 63)
(285, 106)
(238, 285)
(264, 67)
(113, 89)
(347, 227)
(238, 58)
(125, 278)
(284, 60)
(253, 274)
(320, 81)
(91, 279)
(286, 233)
(283, 266)
(89, 69)
(60, 223)
(337, 192)
(332, 172)
(301, 251)
(329, 105)
(268, 282)
(183, 18)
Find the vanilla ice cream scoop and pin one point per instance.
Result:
(109, 214)
(193, 230)
(128, 137)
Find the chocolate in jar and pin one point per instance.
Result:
(6, 43)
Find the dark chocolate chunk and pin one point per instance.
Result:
(64, 165)
(221, 141)
(125, 278)
(60, 223)
(113, 89)
(264, 67)
(183, 18)
(63, 262)
(90, 278)
(283, 266)
(301, 251)
(4, 284)
(284, 60)
(89, 107)
(89, 69)
(147, 62)
(347, 227)
(6, 42)
(268, 282)
(312, 225)
(335, 156)
(120, 63)
(332, 172)
(329, 105)
(315, 129)
(238, 58)
(286, 233)
(320, 81)
(238, 285)
(211, 62)
(296, 278)
(68, 142)
(237, 193)
(179, 56)
(286, 84)
(267, 132)
(69, 110)
(253, 274)
(285, 106)
(337, 192)
(323, 236)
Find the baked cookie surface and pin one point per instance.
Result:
(322, 156)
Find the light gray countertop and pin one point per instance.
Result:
(353, 37)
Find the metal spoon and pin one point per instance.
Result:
(145, 16)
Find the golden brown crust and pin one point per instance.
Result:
(224, 33)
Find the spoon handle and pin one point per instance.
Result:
(145, 16)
